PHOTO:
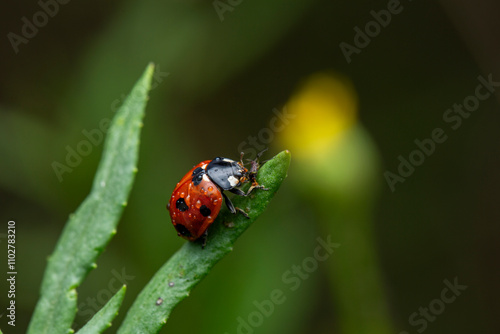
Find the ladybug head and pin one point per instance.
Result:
(226, 173)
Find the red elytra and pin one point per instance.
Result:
(197, 198)
(194, 207)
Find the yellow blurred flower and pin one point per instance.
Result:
(333, 153)
(324, 108)
(336, 168)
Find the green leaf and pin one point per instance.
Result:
(89, 230)
(102, 319)
(190, 264)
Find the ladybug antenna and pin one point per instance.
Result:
(261, 152)
(241, 157)
(253, 161)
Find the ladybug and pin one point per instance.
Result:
(197, 198)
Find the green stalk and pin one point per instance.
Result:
(94, 223)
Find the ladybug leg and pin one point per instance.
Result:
(238, 192)
(243, 212)
(232, 208)
(256, 186)
(203, 238)
(229, 204)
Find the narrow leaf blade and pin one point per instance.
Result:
(89, 230)
(102, 319)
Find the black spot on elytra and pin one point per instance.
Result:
(198, 175)
(181, 205)
(197, 171)
(205, 211)
(182, 230)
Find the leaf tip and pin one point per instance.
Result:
(151, 67)
(286, 154)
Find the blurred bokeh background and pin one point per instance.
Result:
(297, 75)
